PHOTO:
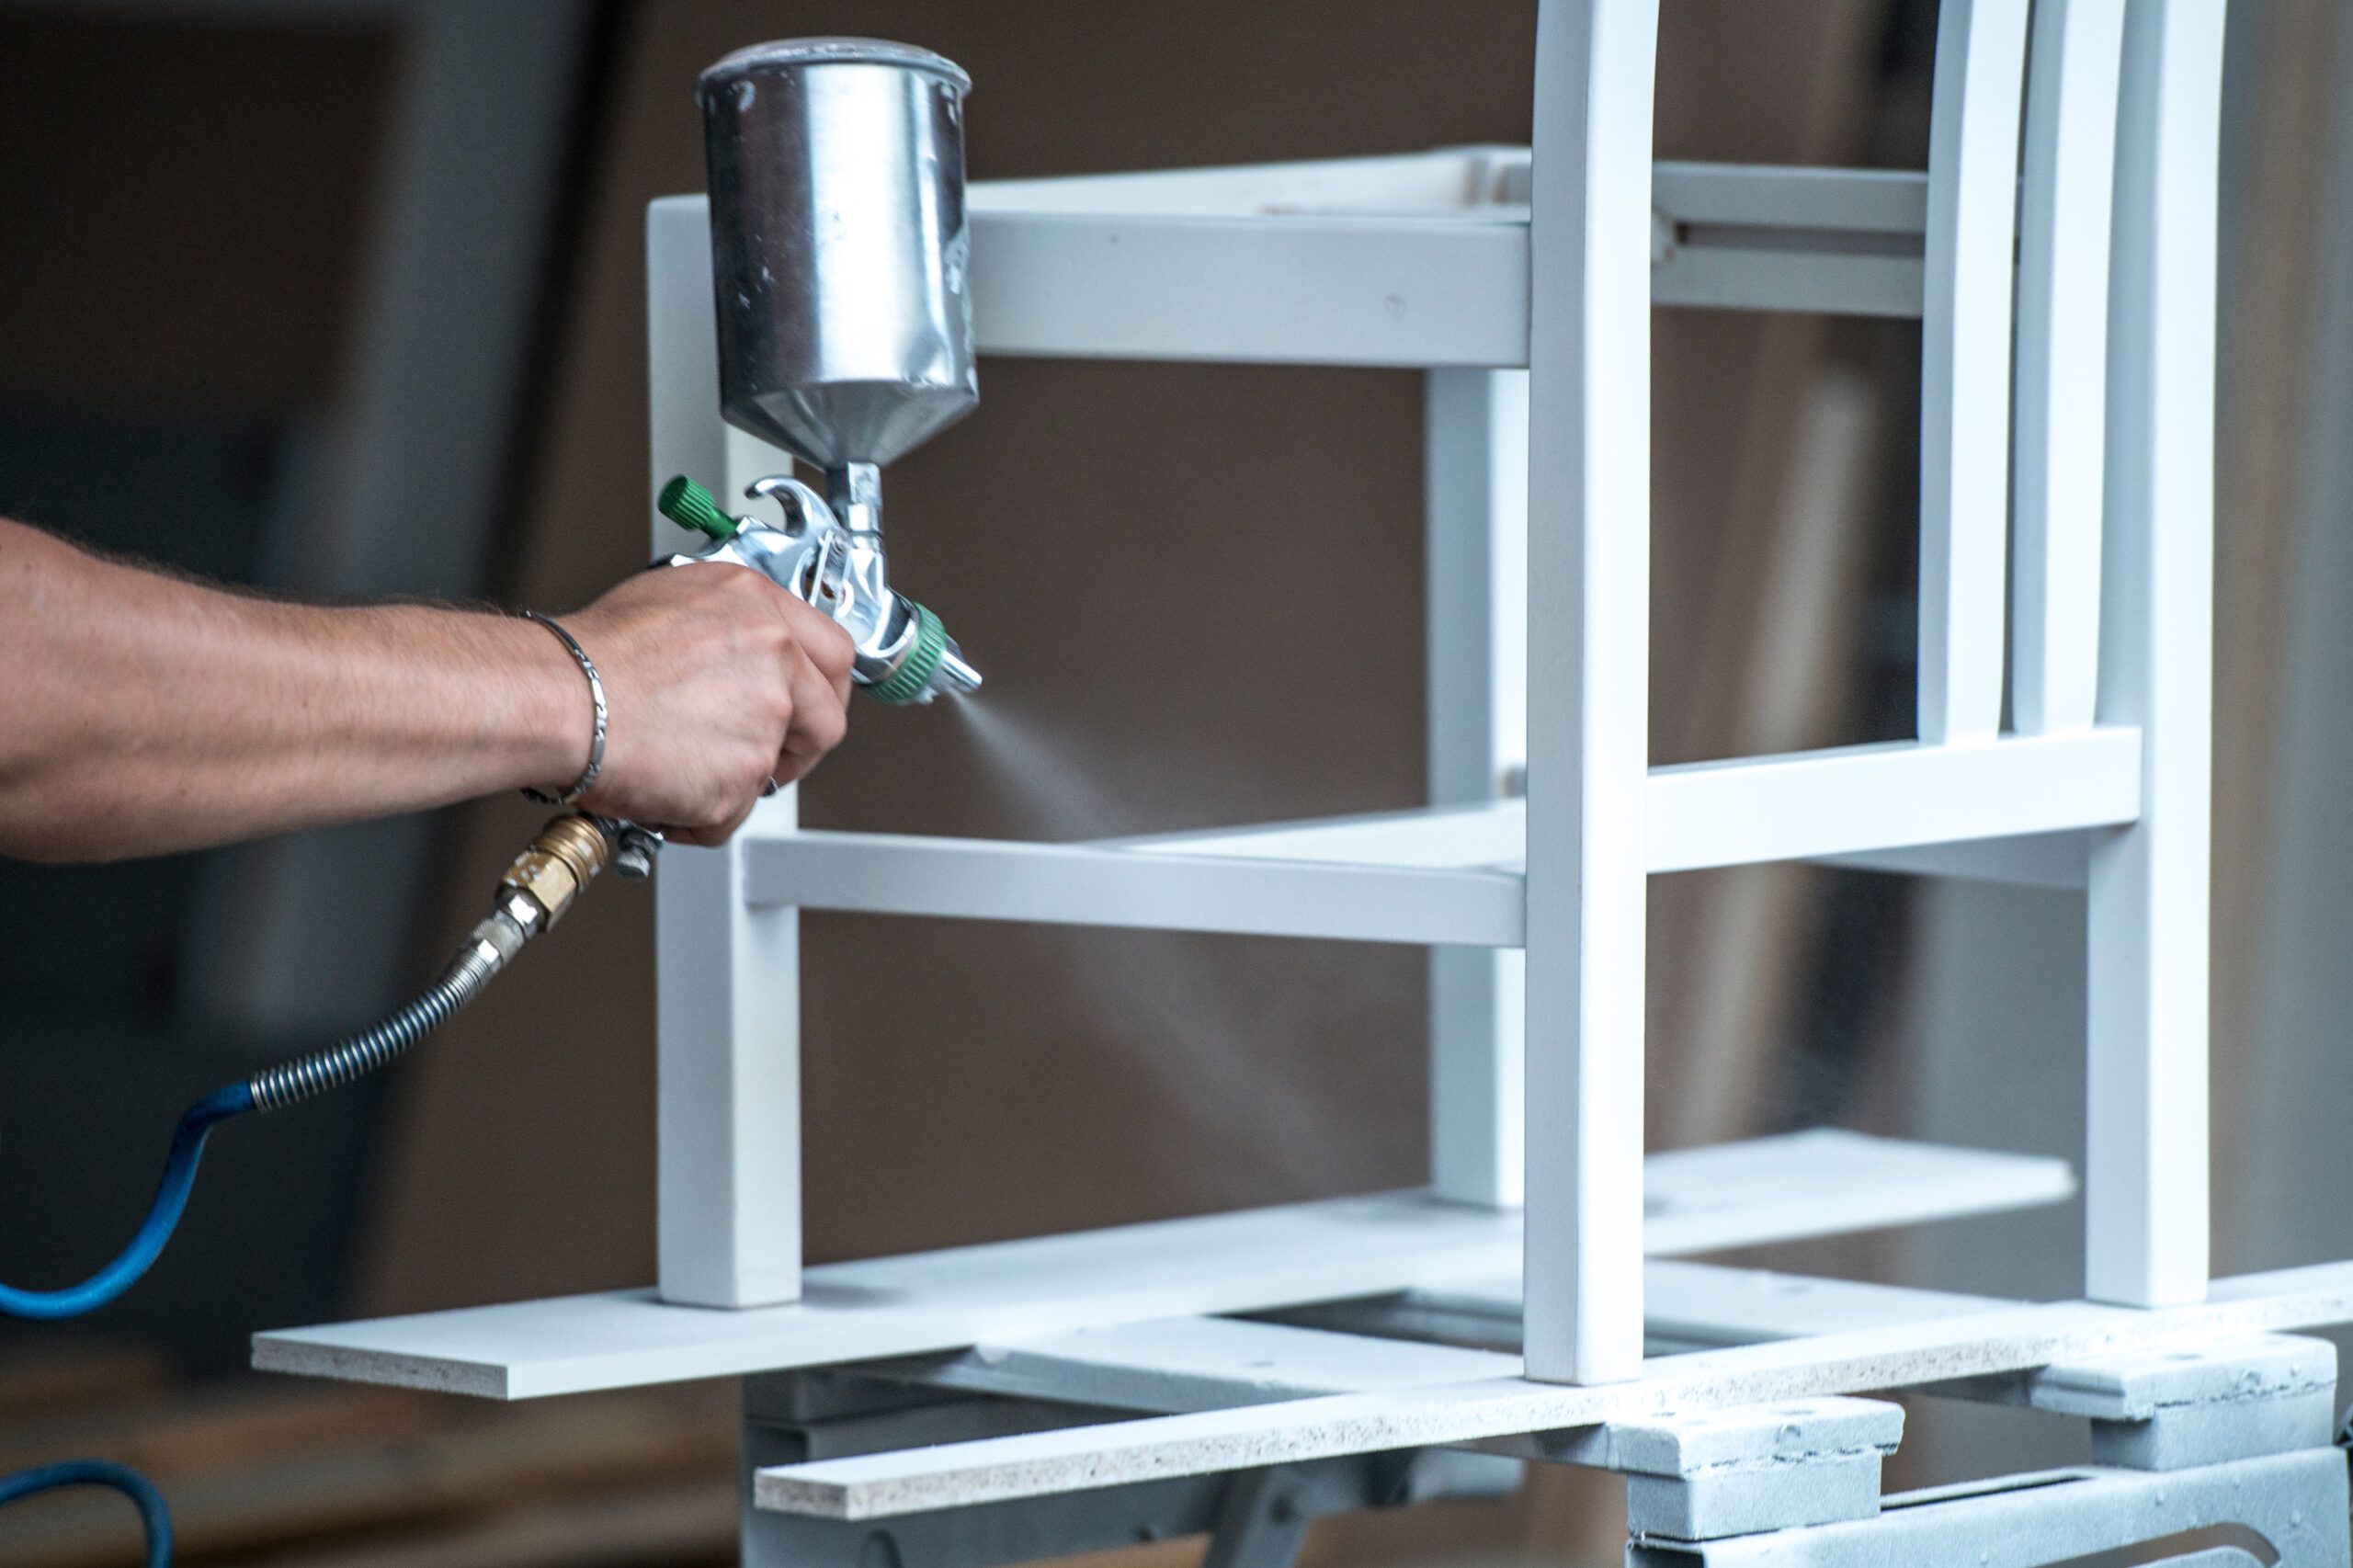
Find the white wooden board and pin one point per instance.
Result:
(1261, 1259)
(1899, 1356)
(1210, 1363)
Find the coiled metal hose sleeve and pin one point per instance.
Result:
(307, 1077)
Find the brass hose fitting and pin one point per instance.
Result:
(565, 857)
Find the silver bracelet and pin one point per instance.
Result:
(597, 696)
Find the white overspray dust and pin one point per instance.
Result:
(1161, 999)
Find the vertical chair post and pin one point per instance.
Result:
(1965, 365)
(1475, 445)
(1588, 676)
(727, 977)
(2145, 1157)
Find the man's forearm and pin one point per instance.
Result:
(140, 714)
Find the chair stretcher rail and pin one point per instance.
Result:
(1451, 875)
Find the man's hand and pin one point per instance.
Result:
(717, 680)
(141, 713)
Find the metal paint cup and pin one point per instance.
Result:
(838, 245)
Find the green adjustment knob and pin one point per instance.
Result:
(913, 678)
(689, 505)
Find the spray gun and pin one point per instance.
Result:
(839, 245)
(904, 653)
(839, 248)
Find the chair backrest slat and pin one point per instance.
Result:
(2065, 201)
(1965, 365)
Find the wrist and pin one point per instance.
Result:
(585, 779)
(554, 718)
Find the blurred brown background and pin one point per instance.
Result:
(346, 298)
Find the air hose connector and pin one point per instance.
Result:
(565, 858)
(538, 888)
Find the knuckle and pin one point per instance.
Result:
(777, 708)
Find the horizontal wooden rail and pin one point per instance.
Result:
(1413, 261)
(1073, 884)
(1449, 876)
(1854, 799)
(2007, 810)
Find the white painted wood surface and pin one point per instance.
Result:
(728, 978)
(1464, 261)
(889, 873)
(1839, 242)
(1687, 1306)
(2060, 421)
(1895, 1356)
(2146, 1157)
(1419, 260)
(1704, 1305)
(1424, 876)
(1850, 204)
(1898, 794)
(1210, 1363)
(1895, 797)
(1197, 1363)
(1588, 681)
(1741, 1194)
(1965, 365)
(1475, 507)
(1493, 834)
(2035, 859)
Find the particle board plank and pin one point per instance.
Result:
(1686, 1306)
(1210, 1363)
(1767, 1189)
(1197, 1363)
(1891, 1357)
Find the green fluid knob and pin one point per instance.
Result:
(913, 678)
(689, 505)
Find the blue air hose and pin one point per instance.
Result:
(494, 942)
(162, 1214)
(152, 1516)
(568, 852)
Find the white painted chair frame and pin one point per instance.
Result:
(2099, 781)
